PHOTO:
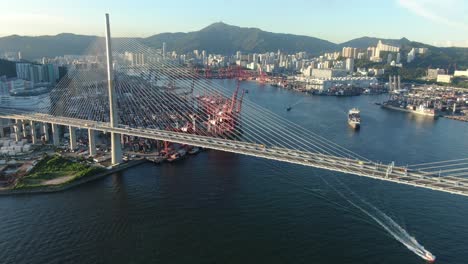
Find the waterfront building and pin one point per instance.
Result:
(324, 85)
(444, 78)
(328, 73)
(461, 73)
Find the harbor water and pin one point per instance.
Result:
(220, 207)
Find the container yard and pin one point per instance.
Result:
(429, 100)
(9, 147)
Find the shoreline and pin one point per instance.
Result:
(451, 117)
(456, 118)
(78, 182)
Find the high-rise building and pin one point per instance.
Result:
(385, 47)
(164, 50)
(370, 52)
(23, 70)
(361, 55)
(36, 73)
(349, 52)
(135, 58)
(350, 65)
(204, 59)
(411, 56)
(389, 58)
(238, 55)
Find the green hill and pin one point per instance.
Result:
(226, 39)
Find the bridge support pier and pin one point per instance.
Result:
(45, 128)
(25, 134)
(116, 148)
(92, 142)
(32, 124)
(17, 127)
(72, 137)
(55, 134)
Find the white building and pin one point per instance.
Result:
(461, 73)
(328, 73)
(385, 47)
(411, 55)
(350, 65)
(444, 78)
(323, 85)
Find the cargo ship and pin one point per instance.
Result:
(354, 118)
(420, 110)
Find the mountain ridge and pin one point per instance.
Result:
(219, 38)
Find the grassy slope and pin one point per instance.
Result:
(53, 167)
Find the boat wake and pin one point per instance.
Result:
(392, 227)
(369, 210)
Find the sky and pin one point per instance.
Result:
(435, 22)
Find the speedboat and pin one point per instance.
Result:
(429, 257)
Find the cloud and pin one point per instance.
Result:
(437, 11)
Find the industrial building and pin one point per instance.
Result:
(323, 85)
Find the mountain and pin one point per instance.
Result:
(216, 38)
(364, 42)
(226, 39)
(46, 46)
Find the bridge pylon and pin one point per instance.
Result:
(116, 145)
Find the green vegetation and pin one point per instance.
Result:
(56, 167)
(226, 39)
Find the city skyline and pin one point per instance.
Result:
(334, 21)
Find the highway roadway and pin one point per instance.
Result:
(364, 168)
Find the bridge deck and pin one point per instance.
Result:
(361, 168)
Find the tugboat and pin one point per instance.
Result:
(354, 118)
(177, 155)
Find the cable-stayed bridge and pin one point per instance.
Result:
(130, 89)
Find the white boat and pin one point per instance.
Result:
(354, 118)
(429, 257)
